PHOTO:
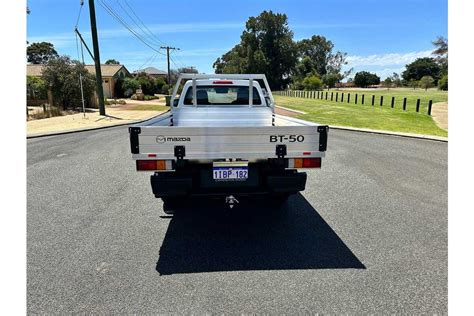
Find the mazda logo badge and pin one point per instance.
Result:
(160, 139)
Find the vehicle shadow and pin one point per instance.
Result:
(208, 238)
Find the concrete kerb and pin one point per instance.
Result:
(389, 133)
(78, 130)
(290, 110)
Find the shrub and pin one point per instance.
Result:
(312, 83)
(50, 111)
(426, 82)
(297, 85)
(62, 74)
(443, 83)
(149, 84)
(36, 88)
(165, 89)
(129, 86)
(111, 102)
(159, 83)
(150, 97)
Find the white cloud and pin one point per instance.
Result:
(387, 72)
(385, 60)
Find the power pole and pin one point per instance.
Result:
(95, 44)
(168, 57)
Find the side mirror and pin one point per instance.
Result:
(175, 102)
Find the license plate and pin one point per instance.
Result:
(230, 173)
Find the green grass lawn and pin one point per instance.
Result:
(373, 117)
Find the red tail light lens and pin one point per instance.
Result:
(312, 162)
(144, 165)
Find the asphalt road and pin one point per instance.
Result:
(369, 235)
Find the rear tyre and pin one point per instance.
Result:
(280, 199)
(170, 205)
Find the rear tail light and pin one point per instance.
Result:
(146, 165)
(304, 162)
(298, 163)
(311, 162)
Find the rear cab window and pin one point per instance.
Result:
(222, 95)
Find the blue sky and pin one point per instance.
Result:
(379, 36)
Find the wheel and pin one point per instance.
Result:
(170, 205)
(279, 199)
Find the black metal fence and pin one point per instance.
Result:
(347, 97)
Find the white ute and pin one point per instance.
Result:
(222, 138)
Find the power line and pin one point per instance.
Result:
(80, 75)
(79, 15)
(177, 63)
(174, 63)
(144, 25)
(149, 61)
(146, 61)
(152, 40)
(177, 55)
(116, 16)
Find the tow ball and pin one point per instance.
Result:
(231, 201)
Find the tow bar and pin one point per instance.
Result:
(231, 201)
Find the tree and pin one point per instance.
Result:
(441, 53)
(421, 67)
(266, 46)
(36, 88)
(443, 83)
(303, 69)
(112, 62)
(388, 83)
(413, 84)
(335, 63)
(426, 82)
(318, 51)
(130, 85)
(62, 75)
(148, 83)
(397, 82)
(188, 70)
(40, 53)
(312, 83)
(159, 83)
(165, 89)
(315, 56)
(364, 79)
(331, 79)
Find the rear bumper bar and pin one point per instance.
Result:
(171, 184)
